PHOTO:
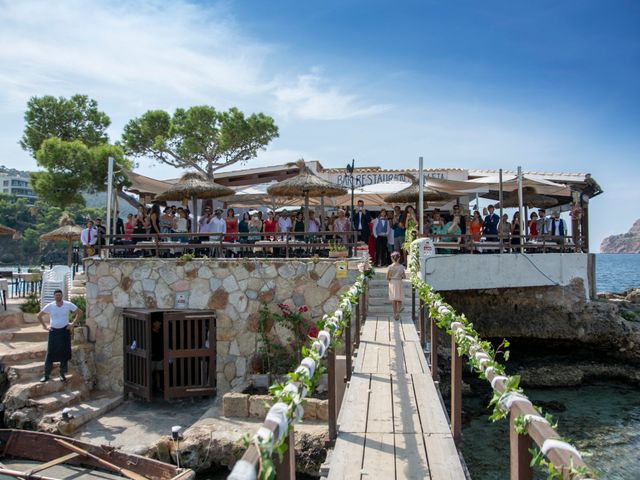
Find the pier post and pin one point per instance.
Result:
(520, 455)
(333, 400)
(433, 336)
(413, 304)
(422, 322)
(358, 313)
(456, 393)
(348, 348)
(286, 470)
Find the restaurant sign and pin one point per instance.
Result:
(364, 179)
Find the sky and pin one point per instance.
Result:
(546, 85)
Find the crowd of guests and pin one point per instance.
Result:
(383, 232)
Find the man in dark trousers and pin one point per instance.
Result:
(361, 221)
(59, 328)
(490, 225)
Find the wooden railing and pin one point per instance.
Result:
(526, 425)
(276, 433)
(466, 243)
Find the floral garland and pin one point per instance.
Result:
(481, 357)
(289, 398)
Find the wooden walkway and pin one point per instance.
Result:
(392, 424)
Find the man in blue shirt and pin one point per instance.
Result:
(490, 225)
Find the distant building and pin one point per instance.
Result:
(17, 184)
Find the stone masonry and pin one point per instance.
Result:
(234, 288)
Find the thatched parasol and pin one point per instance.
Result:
(411, 194)
(194, 185)
(529, 199)
(306, 184)
(67, 231)
(6, 230)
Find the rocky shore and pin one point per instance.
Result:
(624, 243)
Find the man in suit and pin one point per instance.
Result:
(490, 225)
(543, 222)
(557, 228)
(361, 221)
(89, 237)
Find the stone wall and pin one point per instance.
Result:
(234, 288)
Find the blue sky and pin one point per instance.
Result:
(550, 86)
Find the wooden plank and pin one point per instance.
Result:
(369, 330)
(380, 415)
(346, 458)
(444, 462)
(396, 357)
(358, 362)
(384, 359)
(56, 461)
(411, 457)
(414, 358)
(432, 417)
(382, 331)
(406, 418)
(353, 414)
(370, 358)
(379, 456)
(409, 333)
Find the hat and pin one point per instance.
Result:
(218, 210)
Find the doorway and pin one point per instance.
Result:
(172, 351)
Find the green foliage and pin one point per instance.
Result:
(33, 221)
(81, 303)
(32, 305)
(186, 257)
(199, 137)
(629, 316)
(68, 139)
(76, 118)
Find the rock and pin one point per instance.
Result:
(218, 300)
(259, 405)
(315, 296)
(624, 243)
(235, 404)
(230, 284)
(327, 277)
(311, 409)
(322, 410)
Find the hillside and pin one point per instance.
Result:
(624, 243)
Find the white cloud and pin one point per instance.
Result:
(152, 54)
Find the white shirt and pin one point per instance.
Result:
(59, 316)
(284, 224)
(218, 225)
(87, 239)
(314, 226)
(205, 225)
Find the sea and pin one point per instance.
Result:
(616, 272)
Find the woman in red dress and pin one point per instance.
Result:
(270, 226)
(372, 242)
(232, 226)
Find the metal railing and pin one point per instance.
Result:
(467, 243)
(222, 245)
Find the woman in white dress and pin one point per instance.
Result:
(395, 275)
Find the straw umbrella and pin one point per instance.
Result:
(194, 185)
(306, 184)
(6, 230)
(68, 231)
(411, 194)
(529, 199)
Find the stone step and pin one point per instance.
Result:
(28, 333)
(58, 400)
(97, 405)
(12, 353)
(33, 370)
(383, 290)
(77, 291)
(10, 319)
(21, 394)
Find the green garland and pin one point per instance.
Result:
(290, 396)
(482, 358)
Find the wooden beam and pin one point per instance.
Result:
(52, 463)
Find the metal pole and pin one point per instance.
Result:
(500, 198)
(421, 197)
(109, 200)
(520, 202)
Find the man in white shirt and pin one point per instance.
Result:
(59, 328)
(284, 223)
(218, 225)
(89, 237)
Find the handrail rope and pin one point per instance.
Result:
(482, 359)
(290, 397)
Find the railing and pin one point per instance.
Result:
(221, 245)
(526, 424)
(466, 243)
(276, 435)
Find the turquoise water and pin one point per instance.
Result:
(616, 272)
(602, 421)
